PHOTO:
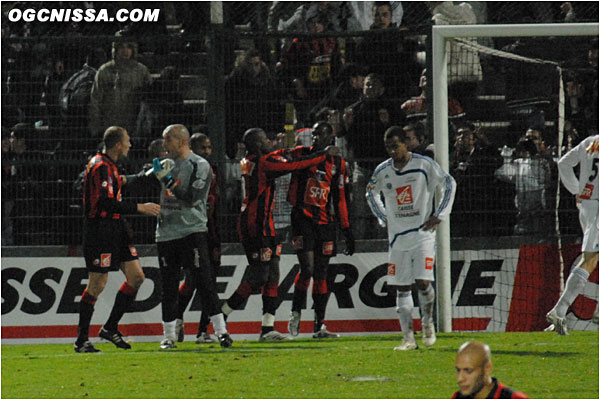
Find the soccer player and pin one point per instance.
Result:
(408, 182)
(201, 145)
(107, 240)
(181, 234)
(257, 233)
(585, 154)
(318, 197)
(474, 375)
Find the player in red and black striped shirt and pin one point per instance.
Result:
(318, 197)
(474, 375)
(256, 229)
(107, 242)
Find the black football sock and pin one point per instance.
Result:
(123, 300)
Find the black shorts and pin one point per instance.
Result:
(262, 248)
(309, 236)
(106, 244)
(190, 251)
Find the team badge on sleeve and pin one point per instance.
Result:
(391, 269)
(428, 263)
(265, 254)
(105, 259)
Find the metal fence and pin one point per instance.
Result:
(223, 80)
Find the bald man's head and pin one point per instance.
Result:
(473, 368)
(177, 141)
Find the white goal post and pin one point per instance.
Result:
(440, 35)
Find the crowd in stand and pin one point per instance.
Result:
(362, 85)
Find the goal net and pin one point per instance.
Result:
(530, 93)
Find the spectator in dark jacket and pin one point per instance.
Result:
(251, 99)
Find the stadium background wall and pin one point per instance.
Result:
(495, 288)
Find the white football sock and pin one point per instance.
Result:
(268, 320)
(169, 329)
(404, 307)
(574, 287)
(218, 322)
(427, 301)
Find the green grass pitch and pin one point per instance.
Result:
(541, 364)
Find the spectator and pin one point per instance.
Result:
(251, 99)
(118, 88)
(162, 101)
(74, 100)
(388, 53)
(416, 140)
(366, 122)
(308, 65)
(351, 79)
(464, 66)
(531, 177)
(362, 14)
(473, 164)
(416, 108)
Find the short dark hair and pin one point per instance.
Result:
(395, 130)
(156, 147)
(377, 4)
(249, 139)
(112, 136)
(417, 127)
(526, 144)
(197, 139)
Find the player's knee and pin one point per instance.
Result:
(422, 285)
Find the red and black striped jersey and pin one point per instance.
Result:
(320, 191)
(102, 190)
(499, 391)
(259, 174)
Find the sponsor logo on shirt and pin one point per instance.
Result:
(316, 193)
(404, 195)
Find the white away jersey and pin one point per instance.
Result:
(586, 155)
(409, 195)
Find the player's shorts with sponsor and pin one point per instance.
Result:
(588, 218)
(106, 244)
(308, 235)
(190, 250)
(405, 266)
(261, 248)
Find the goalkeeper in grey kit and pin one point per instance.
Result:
(182, 233)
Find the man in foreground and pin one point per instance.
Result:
(474, 375)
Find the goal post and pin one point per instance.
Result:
(440, 36)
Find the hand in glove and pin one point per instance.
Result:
(350, 242)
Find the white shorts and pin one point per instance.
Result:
(405, 266)
(588, 218)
